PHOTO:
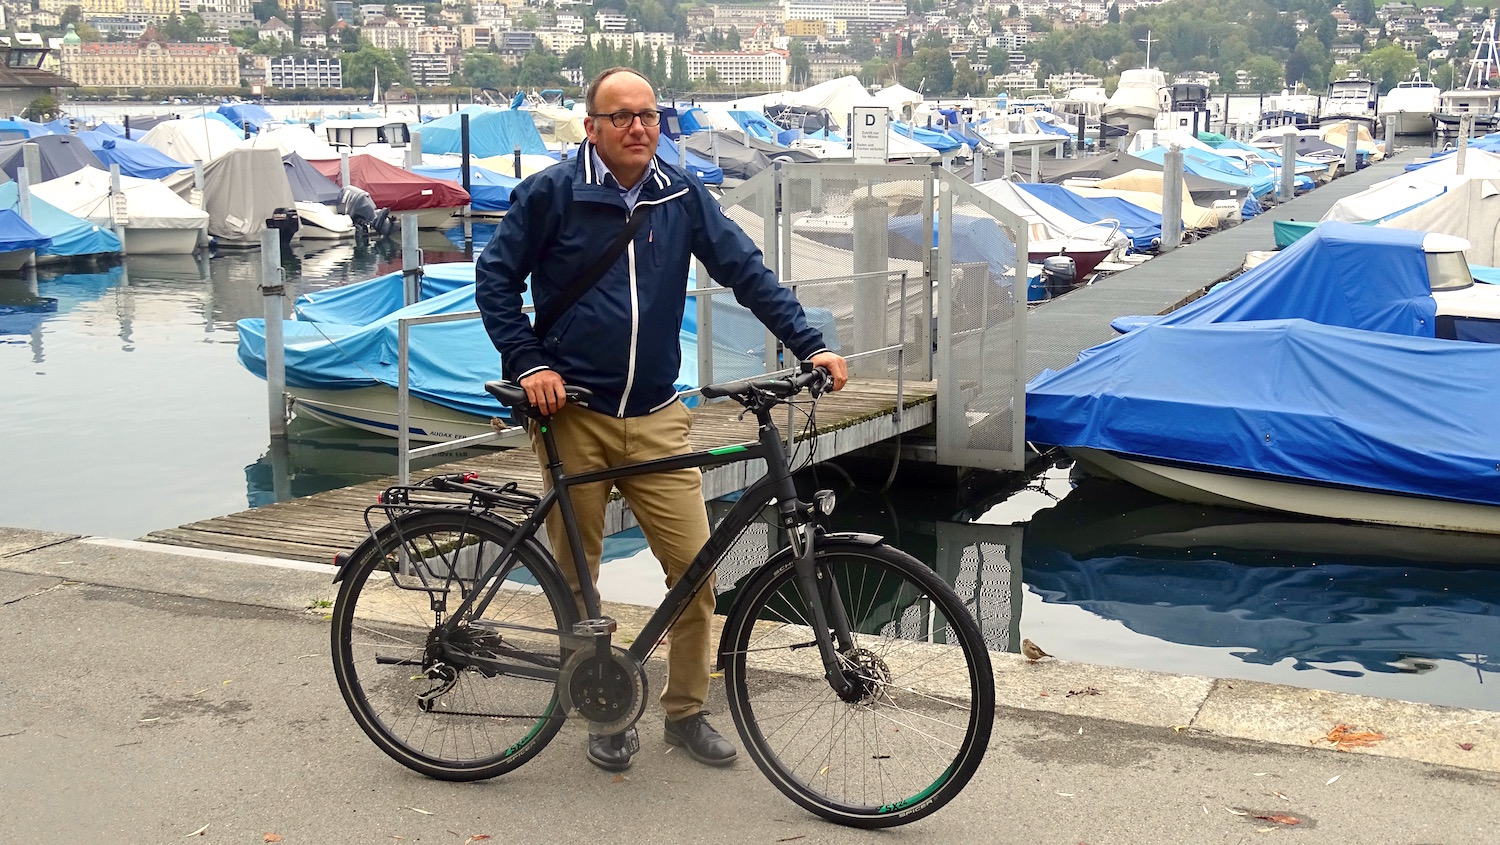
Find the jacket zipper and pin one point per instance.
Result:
(635, 315)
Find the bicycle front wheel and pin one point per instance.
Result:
(478, 700)
(912, 733)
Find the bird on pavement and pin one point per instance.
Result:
(1032, 652)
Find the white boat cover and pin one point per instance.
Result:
(194, 139)
(1469, 209)
(295, 139)
(324, 217)
(558, 125)
(1413, 188)
(505, 165)
(241, 189)
(1045, 223)
(898, 97)
(1148, 139)
(148, 203)
(1363, 142)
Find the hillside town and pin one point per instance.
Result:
(313, 49)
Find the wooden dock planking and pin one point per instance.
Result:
(316, 527)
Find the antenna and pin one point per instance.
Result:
(1148, 41)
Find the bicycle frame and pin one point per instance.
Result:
(776, 485)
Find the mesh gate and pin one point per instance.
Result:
(889, 258)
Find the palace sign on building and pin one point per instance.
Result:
(151, 64)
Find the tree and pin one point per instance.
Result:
(965, 80)
(264, 10)
(484, 70)
(244, 38)
(1266, 75)
(1114, 12)
(43, 108)
(732, 40)
(711, 77)
(1388, 65)
(528, 21)
(1363, 11)
(360, 67)
(680, 77)
(798, 64)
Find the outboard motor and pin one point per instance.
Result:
(286, 222)
(356, 203)
(1059, 274)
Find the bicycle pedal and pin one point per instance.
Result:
(632, 742)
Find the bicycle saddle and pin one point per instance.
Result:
(514, 395)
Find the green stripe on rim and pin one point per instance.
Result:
(924, 794)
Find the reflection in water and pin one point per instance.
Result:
(1340, 598)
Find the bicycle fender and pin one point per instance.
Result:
(858, 538)
(342, 559)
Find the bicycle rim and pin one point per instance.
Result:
(915, 735)
(443, 718)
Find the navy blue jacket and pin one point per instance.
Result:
(621, 338)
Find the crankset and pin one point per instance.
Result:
(610, 692)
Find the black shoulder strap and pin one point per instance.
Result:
(591, 276)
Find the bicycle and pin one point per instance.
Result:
(858, 681)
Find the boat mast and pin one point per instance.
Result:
(1147, 41)
(1485, 61)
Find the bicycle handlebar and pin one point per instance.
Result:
(815, 381)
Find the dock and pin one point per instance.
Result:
(315, 528)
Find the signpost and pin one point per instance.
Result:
(871, 134)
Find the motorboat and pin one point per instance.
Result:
(316, 197)
(433, 200)
(1289, 108)
(1189, 109)
(18, 241)
(1476, 100)
(1350, 99)
(1340, 417)
(1137, 100)
(1410, 106)
(380, 137)
(155, 221)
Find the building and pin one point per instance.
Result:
(343, 10)
(1062, 83)
(151, 64)
(888, 11)
(515, 42)
(636, 40)
(830, 66)
(724, 17)
(436, 39)
(276, 29)
(22, 78)
(806, 29)
(313, 37)
(611, 21)
(429, 70)
(413, 13)
(765, 68)
(475, 37)
(389, 33)
(560, 41)
(289, 72)
(310, 9)
(144, 11)
(570, 23)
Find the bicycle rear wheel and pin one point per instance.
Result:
(437, 713)
(911, 738)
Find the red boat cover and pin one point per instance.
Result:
(391, 187)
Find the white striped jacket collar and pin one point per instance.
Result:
(594, 175)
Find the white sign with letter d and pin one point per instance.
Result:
(871, 134)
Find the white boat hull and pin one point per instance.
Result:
(373, 409)
(1262, 493)
(1410, 122)
(160, 241)
(12, 262)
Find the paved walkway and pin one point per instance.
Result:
(150, 693)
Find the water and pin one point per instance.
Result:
(125, 410)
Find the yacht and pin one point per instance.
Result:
(1411, 105)
(1189, 108)
(1350, 98)
(1137, 100)
(1477, 98)
(1289, 108)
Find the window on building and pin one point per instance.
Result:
(26, 58)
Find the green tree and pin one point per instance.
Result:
(528, 21)
(1114, 12)
(711, 77)
(732, 39)
(1363, 11)
(1266, 75)
(43, 108)
(539, 69)
(965, 80)
(680, 77)
(1388, 65)
(798, 63)
(484, 70)
(244, 38)
(361, 65)
(264, 10)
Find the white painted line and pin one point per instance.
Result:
(209, 554)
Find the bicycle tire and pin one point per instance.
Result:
(389, 604)
(922, 693)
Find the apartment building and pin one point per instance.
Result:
(289, 72)
(389, 33)
(430, 70)
(475, 37)
(636, 40)
(889, 11)
(768, 67)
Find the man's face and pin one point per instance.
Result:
(628, 150)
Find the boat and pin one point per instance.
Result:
(386, 138)
(242, 190)
(1137, 100)
(58, 155)
(1289, 108)
(1350, 99)
(316, 195)
(1477, 99)
(1410, 106)
(390, 187)
(156, 220)
(1340, 416)
(1189, 109)
(72, 237)
(18, 242)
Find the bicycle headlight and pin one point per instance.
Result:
(824, 501)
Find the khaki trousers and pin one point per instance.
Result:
(668, 505)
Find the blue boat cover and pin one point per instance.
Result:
(365, 302)
(1141, 225)
(977, 239)
(16, 233)
(308, 184)
(15, 128)
(492, 132)
(135, 159)
(246, 114)
(939, 141)
(1339, 274)
(1290, 399)
(213, 115)
(691, 119)
(697, 165)
(70, 235)
(488, 190)
(1217, 168)
(757, 124)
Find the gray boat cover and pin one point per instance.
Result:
(308, 185)
(240, 190)
(736, 159)
(60, 155)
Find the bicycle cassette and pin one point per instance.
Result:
(610, 694)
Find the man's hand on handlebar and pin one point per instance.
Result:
(544, 390)
(834, 363)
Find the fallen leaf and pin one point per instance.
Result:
(478, 837)
(1344, 737)
(1467, 746)
(198, 832)
(620, 779)
(1264, 829)
(793, 838)
(716, 674)
(152, 719)
(1238, 812)
(1332, 779)
(271, 837)
(1179, 728)
(228, 682)
(1084, 691)
(420, 810)
(1280, 818)
(823, 771)
(1044, 695)
(202, 691)
(1066, 794)
(1261, 774)
(1279, 795)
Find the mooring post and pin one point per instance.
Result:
(23, 206)
(1036, 164)
(31, 159)
(119, 213)
(414, 151)
(1288, 166)
(1465, 125)
(1351, 147)
(272, 291)
(1009, 162)
(344, 168)
(871, 246)
(1171, 199)
(979, 165)
(197, 199)
(516, 156)
(463, 140)
(411, 259)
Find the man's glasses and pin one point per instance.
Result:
(623, 119)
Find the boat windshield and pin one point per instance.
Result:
(1448, 271)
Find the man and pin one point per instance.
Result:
(620, 340)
